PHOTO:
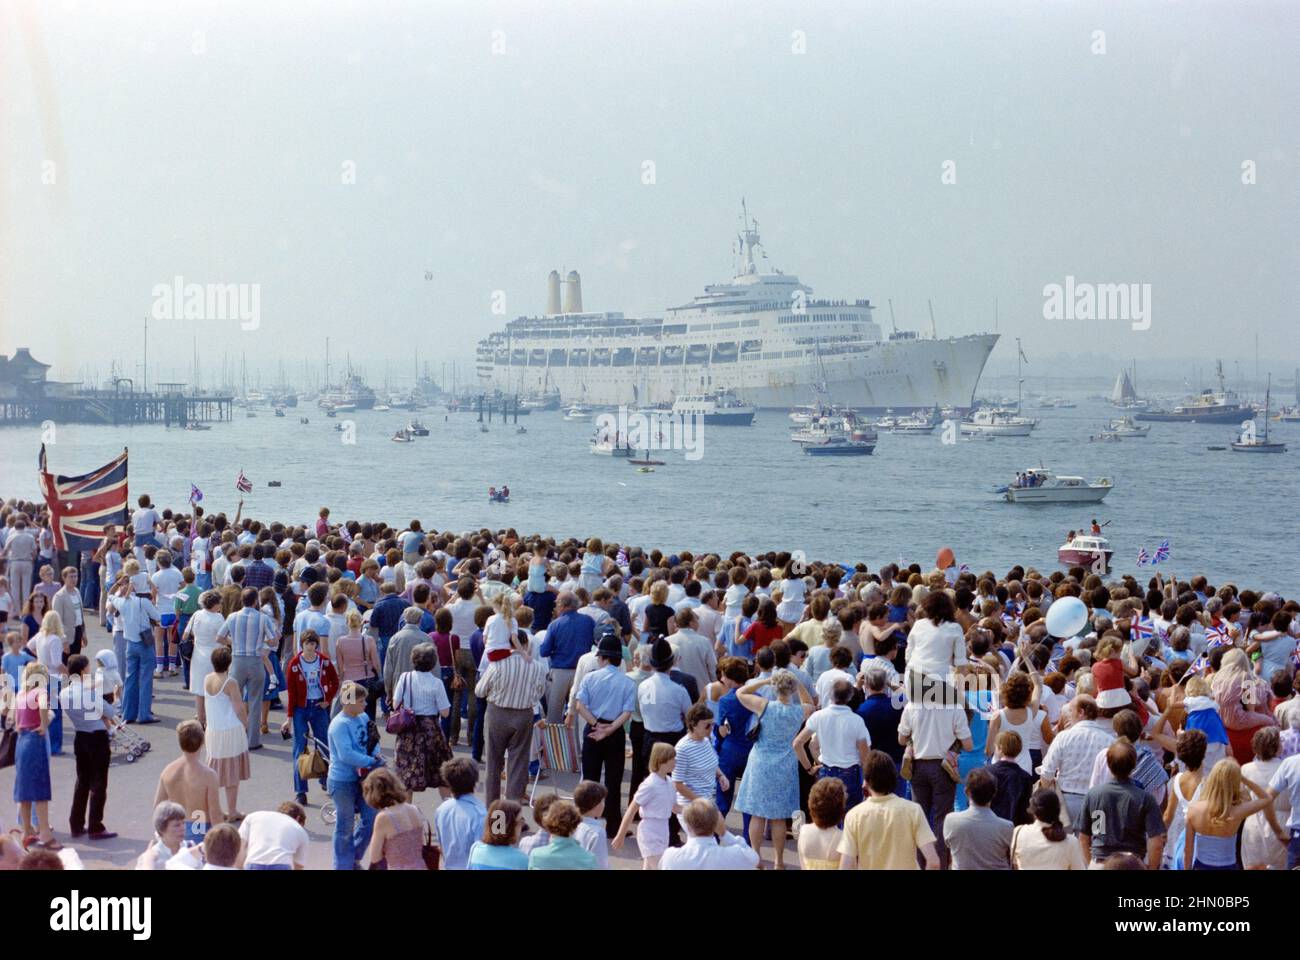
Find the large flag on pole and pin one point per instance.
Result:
(81, 507)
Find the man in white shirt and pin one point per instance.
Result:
(710, 615)
(843, 743)
(931, 730)
(1069, 759)
(841, 663)
(275, 839)
(708, 845)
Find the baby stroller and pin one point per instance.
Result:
(327, 810)
(125, 742)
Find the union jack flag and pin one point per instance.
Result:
(1143, 557)
(195, 494)
(1201, 664)
(243, 484)
(81, 507)
(1162, 552)
(1217, 636)
(1143, 631)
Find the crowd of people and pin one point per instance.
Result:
(897, 717)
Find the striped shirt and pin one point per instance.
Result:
(250, 631)
(697, 766)
(514, 683)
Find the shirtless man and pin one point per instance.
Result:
(192, 783)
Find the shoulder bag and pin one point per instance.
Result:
(402, 719)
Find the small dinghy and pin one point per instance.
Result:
(273, 483)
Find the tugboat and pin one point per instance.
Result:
(417, 429)
(1039, 485)
(1248, 442)
(1085, 550)
(1207, 407)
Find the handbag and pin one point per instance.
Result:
(755, 727)
(373, 683)
(311, 765)
(8, 746)
(430, 850)
(401, 720)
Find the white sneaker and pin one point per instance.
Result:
(796, 823)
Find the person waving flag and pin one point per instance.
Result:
(196, 495)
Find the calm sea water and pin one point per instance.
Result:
(1226, 514)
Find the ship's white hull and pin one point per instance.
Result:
(904, 375)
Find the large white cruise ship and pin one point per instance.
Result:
(760, 335)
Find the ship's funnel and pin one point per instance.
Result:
(553, 293)
(573, 293)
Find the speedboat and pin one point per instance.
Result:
(577, 412)
(1106, 436)
(401, 436)
(496, 496)
(197, 426)
(417, 429)
(381, 408)
(1039, 485)
(1086, 550)
(838, 446)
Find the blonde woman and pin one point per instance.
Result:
(226, 737)
(1213, 820)
(357, 659)
(29, 714)
(50, 647)
(1243, 701)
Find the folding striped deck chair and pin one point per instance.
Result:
(557, 750)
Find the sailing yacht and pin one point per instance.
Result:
(1249, 442)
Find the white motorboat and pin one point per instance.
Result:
(718, 409)
(998, 422)
(1040, 485)
(609, 446)
(577, 412)
(1106, 436)
(1086, 550)
(1127, 427)
(912, 425)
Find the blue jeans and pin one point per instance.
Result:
(317, 719)
(851, 777)
(1293, 850)
(351, 838)
(476, 734)
(90, 586)
(137, 686)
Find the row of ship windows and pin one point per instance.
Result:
(650, 356)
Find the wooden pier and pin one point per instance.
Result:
(171, 409)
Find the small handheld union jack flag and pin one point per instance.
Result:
(243, 484)
(1143, 557)
(1162, 552)
(195, 494)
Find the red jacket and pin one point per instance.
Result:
(297, 683)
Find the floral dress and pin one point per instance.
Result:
(770, 787)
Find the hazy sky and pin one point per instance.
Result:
(488, 169)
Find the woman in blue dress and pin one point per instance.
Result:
(769, 791)
(732, 722)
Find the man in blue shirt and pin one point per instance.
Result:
(314, 617)
(459, 821)
(606, 700)
(349, 762)
(258, 573)
(570, 635)
(137, 614)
